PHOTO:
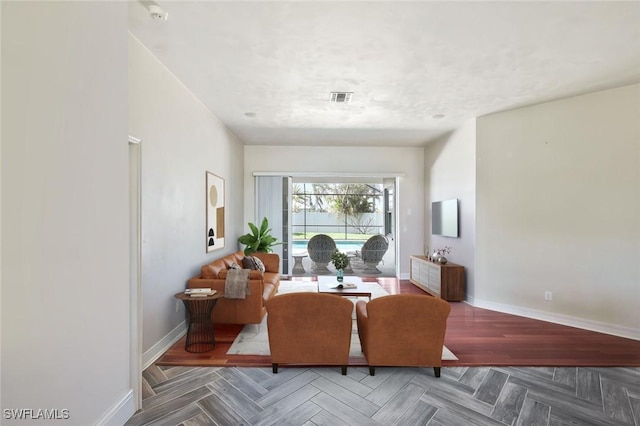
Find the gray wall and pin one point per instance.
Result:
(558, 209)
(549, 203)
(181, 140)
(65, 248)
(450, 172)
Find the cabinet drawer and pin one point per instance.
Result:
(415, 270)
(434, 274)
(434, 288)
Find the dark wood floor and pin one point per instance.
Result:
(478, 337)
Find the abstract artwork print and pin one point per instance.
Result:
(215, 212)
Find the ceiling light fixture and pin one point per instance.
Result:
(250, 114)
(438, 116)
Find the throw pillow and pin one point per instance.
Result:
(259, 264)
(247, 262)
(252, 262)
(234, 265)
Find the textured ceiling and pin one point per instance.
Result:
(404, 61)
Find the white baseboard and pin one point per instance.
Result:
(150, 356)
(600, 327)
(405, 275)
(121, 411)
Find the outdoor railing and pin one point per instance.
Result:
(305, 232)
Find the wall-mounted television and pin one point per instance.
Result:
(444, 218)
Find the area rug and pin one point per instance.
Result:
(254, 340)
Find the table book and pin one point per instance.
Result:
(200, 292)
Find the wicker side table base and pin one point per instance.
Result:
(200, 333)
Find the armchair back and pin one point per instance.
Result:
(309, 328)
(403, 330)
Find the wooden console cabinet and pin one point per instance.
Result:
(443, 281)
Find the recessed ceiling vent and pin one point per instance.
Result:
(341, 97)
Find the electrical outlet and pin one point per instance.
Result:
(548, 295)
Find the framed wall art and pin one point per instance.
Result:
(215, 212)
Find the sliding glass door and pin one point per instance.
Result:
(273, 201)
(349, 209)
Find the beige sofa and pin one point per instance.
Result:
(262, 287)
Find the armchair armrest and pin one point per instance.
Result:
(361, 309)
(362, 320)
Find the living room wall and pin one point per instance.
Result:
(558, 210)
(323, 160)
(450, 172)
(65, 238)
(181, 140)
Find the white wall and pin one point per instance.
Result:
(65, 249)
(450, 168)
(322, 160)
(558, 209)
(181, 140)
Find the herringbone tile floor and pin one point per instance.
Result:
(394, 396)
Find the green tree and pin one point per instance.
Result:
(299, 198)
(352, 201)
(353, 198)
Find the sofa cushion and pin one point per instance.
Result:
(239, 255)
(211, 270)
(229, 260)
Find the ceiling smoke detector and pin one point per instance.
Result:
(157, 14)
(340, 97)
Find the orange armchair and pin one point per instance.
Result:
(309, 328)
(403, 330)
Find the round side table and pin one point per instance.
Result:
(200, 334)
(297, 266)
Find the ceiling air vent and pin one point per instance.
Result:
(341, 97)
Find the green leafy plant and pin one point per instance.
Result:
(340, 260)
(259, 239)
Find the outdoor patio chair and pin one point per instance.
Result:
(372, 253)
(320, 248)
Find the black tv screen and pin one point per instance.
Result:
(444, 218)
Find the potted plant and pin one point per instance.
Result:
(440, 254)
(259, 239)
(340, 261)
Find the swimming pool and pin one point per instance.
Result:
(342, 245)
